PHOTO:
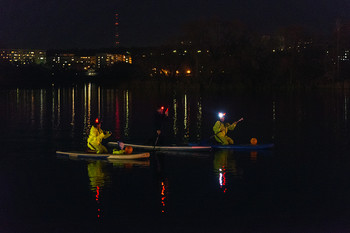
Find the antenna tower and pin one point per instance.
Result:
(116, 30)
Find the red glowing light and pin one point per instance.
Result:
(163, 189)
(97, 193)
(97, 200)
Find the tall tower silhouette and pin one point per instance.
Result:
(116, 24)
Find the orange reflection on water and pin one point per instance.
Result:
(164, 195)
(253, 156)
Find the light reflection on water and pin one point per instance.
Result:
(199, 119)
(131, 119)
(128, 112)
(187, 111)
(224, 164)
(308, 133)
(99, 178)
(175, 116)
(98, 174)
(192, 116)
(117, 130)
(115, 107)
(346, 105)
(164, 195)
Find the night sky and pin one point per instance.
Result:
(62, 24)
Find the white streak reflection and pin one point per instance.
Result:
(273, 118)
(53, 107)
(175, 129)
(32, 107)
(18, 96)
(58, 106)
(42, 108)
(127, 113)
(87, 107)
(117, 117)
(199, 119)
(73, 107)
(186, 118)
(345, 107)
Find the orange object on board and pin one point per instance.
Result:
(128, 150)
(253, 141)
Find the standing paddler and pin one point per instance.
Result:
(160, 117)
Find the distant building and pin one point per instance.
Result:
(68, 61)
(63, 61)
(107, 59)
(23, 56)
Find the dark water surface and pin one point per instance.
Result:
(302, 185)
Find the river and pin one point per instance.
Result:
(301, 185)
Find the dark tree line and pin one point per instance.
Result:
(230, 53)
(224, 53)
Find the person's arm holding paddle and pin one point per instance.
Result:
(233, 125)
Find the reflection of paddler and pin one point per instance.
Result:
(129, 163)
(222, 162)
(164, 186)
(96, 174)
(98, 179)
(163, 183)
(94, 142)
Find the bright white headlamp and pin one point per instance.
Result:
(221, 114)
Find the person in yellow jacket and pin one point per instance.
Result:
(94, 142)
(221, 128)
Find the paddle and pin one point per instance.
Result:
(156, 141)
(238, 120)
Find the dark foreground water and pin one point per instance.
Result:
(302, 185)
